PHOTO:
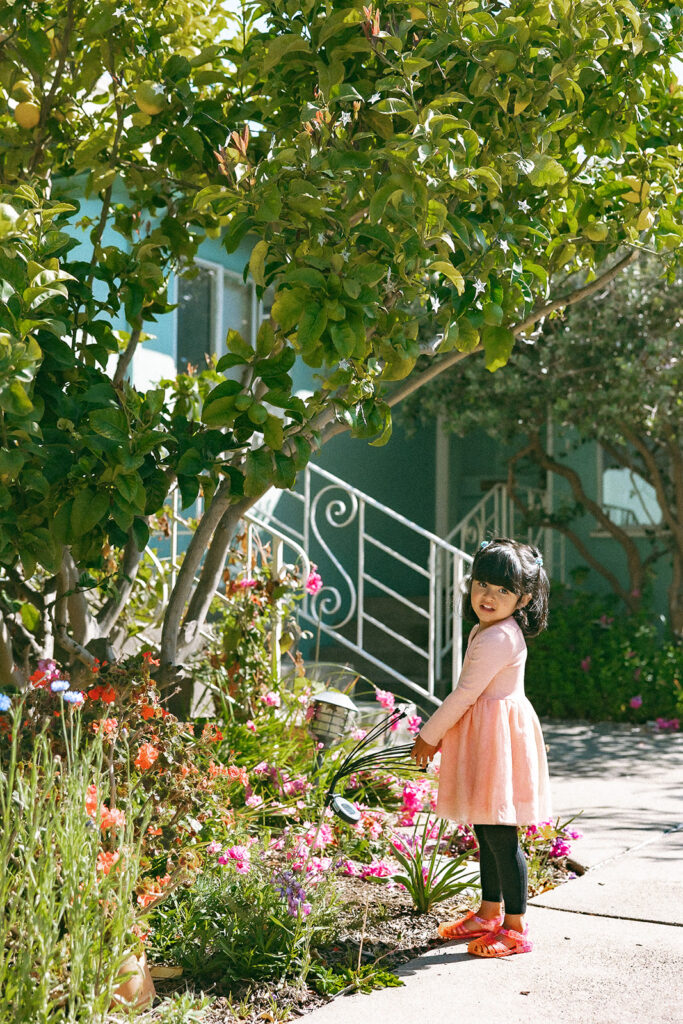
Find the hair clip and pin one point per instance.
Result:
(484, 544)
(539, 560)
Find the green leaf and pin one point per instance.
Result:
(498, 343)
(257, 262)
(141, 533)
(191, 463)
(546, 171)
(236, 344)
(259, 472)
(453, 275)
(343, 339)
(265, 339)
(285, 471)
(281, 47)
(30, 616)
(110, 423)
(288, 307)
(15, 400)
(11, 461)
(273, 432)
(89, 507)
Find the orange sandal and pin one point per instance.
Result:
(493, 944)
(455, 929)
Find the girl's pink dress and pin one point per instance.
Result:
(494, 769)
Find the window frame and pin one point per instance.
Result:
(641, 529)
(218, 273)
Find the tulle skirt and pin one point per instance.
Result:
(494, 769)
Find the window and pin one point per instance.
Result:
(209, 305)
(627, 498)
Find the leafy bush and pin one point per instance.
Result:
(598, 663)
(247, 918)
(68, 919)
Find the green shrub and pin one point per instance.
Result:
(594, 659)
(247, 919)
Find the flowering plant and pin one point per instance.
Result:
(428, 875)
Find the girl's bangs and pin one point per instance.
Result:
(499, 567)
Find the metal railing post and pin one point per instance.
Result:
(456, 623)
(432, 618)
(276, 634)
(360, 582)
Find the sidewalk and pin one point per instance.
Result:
(608, 944)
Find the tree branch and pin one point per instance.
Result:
(126, 356)
(132, 556)
(633, 559)
(182, 590)
(210, 577)
(9, 674)
(71, 603)
(579, 295)
(657, 482)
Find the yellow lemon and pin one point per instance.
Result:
(150, 98)
(27, 114)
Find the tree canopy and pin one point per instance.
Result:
(416, 178)
(609, 372)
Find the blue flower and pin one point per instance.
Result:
(59, 685)
(5, 702)
(74, 697)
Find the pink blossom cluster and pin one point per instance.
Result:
(272, 699)
(385, 698)
(413, 724)
(314, 581)
(636, 702)
(415, 795)
(238, 856)
(376, 868)
(667, 724)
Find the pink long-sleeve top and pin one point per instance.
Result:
(493, 669)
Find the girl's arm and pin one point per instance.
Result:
(490, 651)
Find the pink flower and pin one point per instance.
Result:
(238, 856)
(214, 847)
(586, 664)
(246, 584)
(667, 724)
(251, 726)
(254, 800)
(413, 724)
(314, 582)
(377, 869)
(347, 867)
(358, 734)
(385, 698)
(272, 699)
(636, 702)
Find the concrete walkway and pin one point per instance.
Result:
(608, 944)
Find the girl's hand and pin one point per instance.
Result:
(422, 752)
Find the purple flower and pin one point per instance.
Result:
(586, 664)
(5, 702)
(59, 685)
(636, 702)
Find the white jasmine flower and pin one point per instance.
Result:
(435, 303)
(479, 287)
(504, 245)
(345, 118)
(345, 255)
(375, 97)
(523, 205)
(344, 364)
(321, 238)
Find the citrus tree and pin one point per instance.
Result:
(419, 183)
(609, 372)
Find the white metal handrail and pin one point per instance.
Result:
(340, 610)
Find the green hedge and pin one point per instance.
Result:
(594, 659)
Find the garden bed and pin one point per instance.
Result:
(391, 934)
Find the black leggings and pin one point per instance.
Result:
(503, 867)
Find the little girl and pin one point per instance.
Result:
(494, 770)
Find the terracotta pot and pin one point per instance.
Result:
(138, 990)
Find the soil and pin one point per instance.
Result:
(390, 933)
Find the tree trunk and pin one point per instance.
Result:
(676, 595)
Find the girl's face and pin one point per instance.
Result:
(492, 603)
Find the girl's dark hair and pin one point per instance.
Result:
(518, 568)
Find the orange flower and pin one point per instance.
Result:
(147, 755)
(153, 890)
(147, 712)
(91, 802)
(108, 695)
(107, 725)
(236, 774)
(106, 861)
(217, 769)
(154, 831)
(111, 818)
